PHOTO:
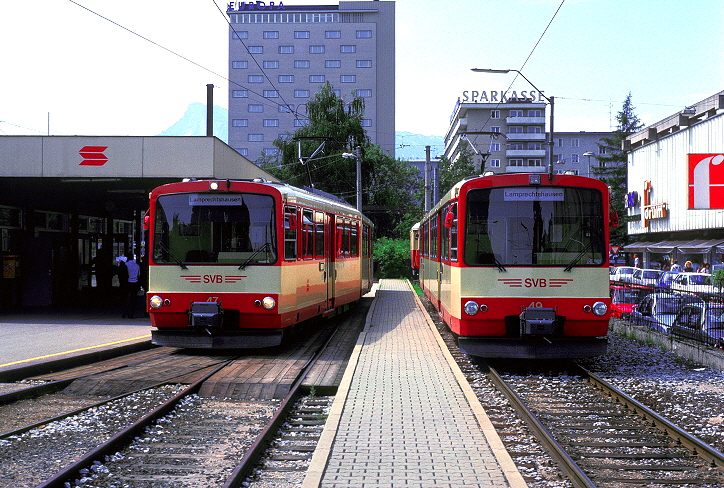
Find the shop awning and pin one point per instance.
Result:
(700, 245)
(636, 246)
(665, 247)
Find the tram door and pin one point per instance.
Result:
(330, 253)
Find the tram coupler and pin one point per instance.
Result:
(538, 321)
(206, 314)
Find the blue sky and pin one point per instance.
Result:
(95, 78)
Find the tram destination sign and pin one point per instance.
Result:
(524, 194)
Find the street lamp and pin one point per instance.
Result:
(549, 99)
(588, 154)
(358, 157)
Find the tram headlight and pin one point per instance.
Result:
(600, 308)
(156, 301)
(471, 308)
(268, 303)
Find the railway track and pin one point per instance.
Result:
(599, 436)
(178, 438)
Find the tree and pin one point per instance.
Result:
(334, 128)
(613, 166)
(453, 171)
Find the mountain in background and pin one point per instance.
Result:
(193, 123)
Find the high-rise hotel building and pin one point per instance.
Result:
(280, 55)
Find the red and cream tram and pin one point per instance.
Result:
(517, 265)
(236, 264)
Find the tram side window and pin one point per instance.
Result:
(425, 237)
(290, 232)
(433, 237)
(307, 234)
(444, 236)
(354, 239)
(365, 240)
(454, 233)
(319, 234)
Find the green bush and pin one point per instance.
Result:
(718, 278)
(392, 257)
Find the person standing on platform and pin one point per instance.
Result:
(131, 292)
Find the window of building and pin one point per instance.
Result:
(366, 122)
(348, 79)
(348, 49)
(271, 151)
(316, 49)
(256, 49)
(271, 94)
(494, 146)
(364, 34)
(495, 163)
(574, 158)
(240, 122)
(301, 93)
(301, 123)
(333, 63)
(495, 128)
(240, 93)
(366, 93)
(515, 162)
(271, 64)
(516, 146)
(255, 108)
(559, 142)
(317, 78)
(242, 150)
(602, 151)
(301, 64)
(256, 137)
(271, 34)
(575, 142)
(535, 113)
(301, 34)
(286, 49)
(364, 63)
(255, 79)
(495, 114)
(535, 162)
(534, 129)
(333, 34)
(286, 109)
(516, 113)
(515, 129)
(271, 122)
(240, 35)
(286, 78)
(535, 146)
(239, 64)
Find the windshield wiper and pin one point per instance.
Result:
(254, 254)
(580, 254)
(498, 264)
(173, 256)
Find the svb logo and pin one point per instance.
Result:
(706, 181)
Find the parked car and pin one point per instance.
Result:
(693, 283)
(666, 278)
(658, 310)
(623, 300)
(646, 277)
(701, 322)
(622, 273)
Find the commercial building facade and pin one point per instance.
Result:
(280, 55)
(676, 187)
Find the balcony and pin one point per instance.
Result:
(525, 153)
(517, 136)
(525, 120)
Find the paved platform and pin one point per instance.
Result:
(404, 414)
(32, 336)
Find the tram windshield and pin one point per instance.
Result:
(233, 228)
(529, 226)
